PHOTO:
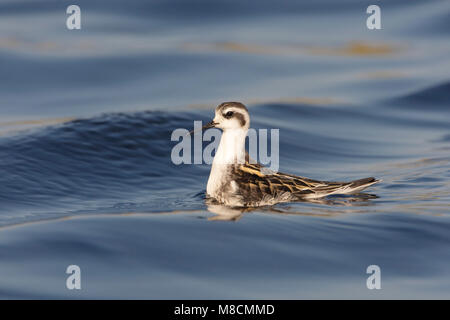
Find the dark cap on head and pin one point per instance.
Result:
(234, 110)
(232, 104)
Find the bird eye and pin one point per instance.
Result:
(229, 114)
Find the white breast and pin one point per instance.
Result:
(231, 150)
(217, 177)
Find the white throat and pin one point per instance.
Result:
(231, 147)
(231, 150)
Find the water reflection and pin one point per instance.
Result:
(227, 213)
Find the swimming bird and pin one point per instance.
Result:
(234, 180)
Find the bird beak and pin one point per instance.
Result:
(211, 124)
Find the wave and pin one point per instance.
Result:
(102, 160)
(432, 98)
(121, 162)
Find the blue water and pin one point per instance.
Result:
(86, 176)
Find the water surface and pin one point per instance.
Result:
(86, 176)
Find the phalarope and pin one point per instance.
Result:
(235, 181)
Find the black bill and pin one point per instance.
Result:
(211, 124)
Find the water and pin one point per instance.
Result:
(85, 170)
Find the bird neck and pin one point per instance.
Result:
(232, 147)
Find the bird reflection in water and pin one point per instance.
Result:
(338, 205)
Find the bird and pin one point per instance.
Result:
(236, 181)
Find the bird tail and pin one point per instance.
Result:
(324, 188)
(356, 186)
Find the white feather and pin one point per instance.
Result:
(231, 150)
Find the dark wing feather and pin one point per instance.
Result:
(255, 183)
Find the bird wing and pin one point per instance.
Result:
(254, 181)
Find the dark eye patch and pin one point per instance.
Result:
(229, 114)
